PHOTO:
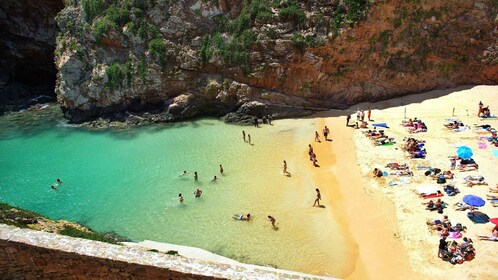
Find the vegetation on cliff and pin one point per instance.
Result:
(27, 219)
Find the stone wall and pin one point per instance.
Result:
(30, 254)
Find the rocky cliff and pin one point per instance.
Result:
(27, 43)
(186, 58)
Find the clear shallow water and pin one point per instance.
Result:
(127, 181)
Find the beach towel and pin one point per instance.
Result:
(381, 125)
(494, 152)
(387, 144)
(422, 167)
(489, 118)
(455, 235)
(461, 128)
(434, 195)
(482, 145)
(478, 217)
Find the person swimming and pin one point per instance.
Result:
(58, 182)
(54, 188)
(214, 179)
(185, 173)
(180, 198)
(242, 217)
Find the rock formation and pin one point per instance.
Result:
(186, 58)
(27, 43)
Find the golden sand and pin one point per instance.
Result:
(388, 223)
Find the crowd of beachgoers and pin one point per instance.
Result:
(455, 243)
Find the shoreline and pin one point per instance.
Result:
(342, 188)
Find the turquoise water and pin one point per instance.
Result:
(127, 181)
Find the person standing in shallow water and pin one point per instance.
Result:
(244, 135)
(197, 193)
(196, 177)
(272, 220)
(318, 197)
(249, 138)
(221, 169)
(326, 132)
(180, 198)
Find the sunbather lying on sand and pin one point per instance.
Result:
(462, 206)
(491, 197)
(446, 174)
(401, 173)
(494, 190)
(475, 181)
(493, 237)
(397, 166)
(468, 167)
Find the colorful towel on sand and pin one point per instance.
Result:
(482, 145)
(489, 118)
(478, 217)
(494, 152)
(381, 125)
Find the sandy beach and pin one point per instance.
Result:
(388, 223)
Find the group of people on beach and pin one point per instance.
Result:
(451, 251)
(360, 118)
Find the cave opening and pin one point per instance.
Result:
(28, 32)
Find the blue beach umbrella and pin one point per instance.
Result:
(464, 152)
(474, 200)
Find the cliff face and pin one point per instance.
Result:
(27, 43)
(190, 57)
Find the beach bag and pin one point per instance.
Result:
(427, 173)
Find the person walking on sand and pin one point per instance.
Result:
(318, 198)
(221, 169)
(369, 114)
(317, 137)
(358, 114)
(180, 198)
(310, 150)
(244, 135)
(362, 115)
(249, 138)
(197, 193)
(195, 176)
(326, 133)
(285, 168)
(348, 118)
(272, 220)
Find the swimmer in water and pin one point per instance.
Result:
(214, 179)
(221, 169)
(54, 188)
(197, 193)
(58, 182)
(180, 198)
(242, 217)
(185, 173)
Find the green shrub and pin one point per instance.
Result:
(157, 50)
(74, 232)
(92, 8)
(299, 42)
(292, 13)
(115, 75)
(118, 16)
(100, 27)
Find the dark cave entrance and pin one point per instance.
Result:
(27, 42)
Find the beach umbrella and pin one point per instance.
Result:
(464, 152)
(474, 200)
(494, 221)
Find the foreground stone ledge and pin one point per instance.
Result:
(27, 254)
